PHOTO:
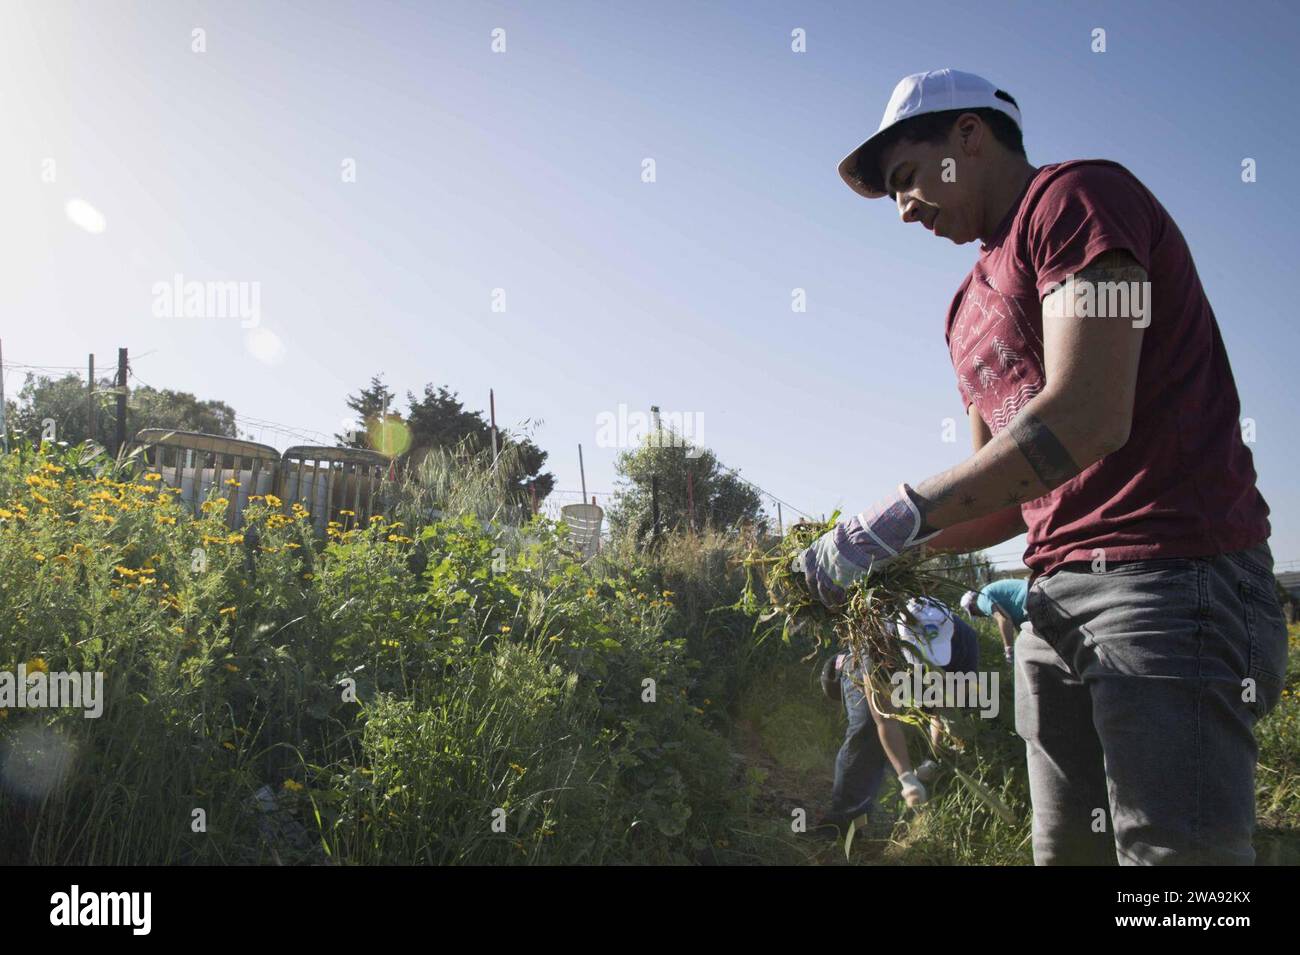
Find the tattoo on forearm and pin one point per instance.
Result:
(1043, 450)
(1115, 265)
(928, 502)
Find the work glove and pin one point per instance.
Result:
(914, 791)
(848, 551)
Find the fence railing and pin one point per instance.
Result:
(324, 480)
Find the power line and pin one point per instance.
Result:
(739, 477)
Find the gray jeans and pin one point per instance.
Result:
(1137, 693)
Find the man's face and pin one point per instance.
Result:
(937, 184)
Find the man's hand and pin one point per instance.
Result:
(852, 548)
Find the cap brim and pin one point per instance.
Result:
(866, 156)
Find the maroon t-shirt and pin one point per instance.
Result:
(1184, 484)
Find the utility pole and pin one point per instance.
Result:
(654, 478)
(654, 507)
(90, 398)
(492, 410)
(4, 425)
(780, 522)
(121, 401)
(583, 474)
(690, 499)
(383, 427)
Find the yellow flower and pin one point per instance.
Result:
(39, 558)
(348, 513)
(40, 498)
(227, 610)
(154, 476)
(231, 482)
(5, 515)
(232, 668)
(668, 593)
(38, 665)
(518, 769)
(293, 786)
(505, 628)
(273, 501)
(164, 499)
(164, 520)
(229, 745)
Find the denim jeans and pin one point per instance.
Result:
(860, 763)
(1137, 692)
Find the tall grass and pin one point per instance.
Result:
(449, 683)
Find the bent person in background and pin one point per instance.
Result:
(1004, 601)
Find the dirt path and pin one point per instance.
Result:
(782, 788)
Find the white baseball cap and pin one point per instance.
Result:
(933, 640)
(931, 92)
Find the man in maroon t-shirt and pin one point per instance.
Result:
(1105, 424)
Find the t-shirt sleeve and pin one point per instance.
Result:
(1083, 212)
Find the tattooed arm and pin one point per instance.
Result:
(986, 531)
(1082, 414)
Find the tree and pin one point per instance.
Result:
(438, 419)
(368, 405)
(64, 401)
(721, 498)
(178, 411)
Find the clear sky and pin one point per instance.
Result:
(522, 171)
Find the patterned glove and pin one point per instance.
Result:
(852, 548)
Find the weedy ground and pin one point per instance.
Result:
(434, 686)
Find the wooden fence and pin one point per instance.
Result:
(324, 480)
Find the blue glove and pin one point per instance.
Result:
(847, 552)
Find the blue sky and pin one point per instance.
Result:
(522, 171)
